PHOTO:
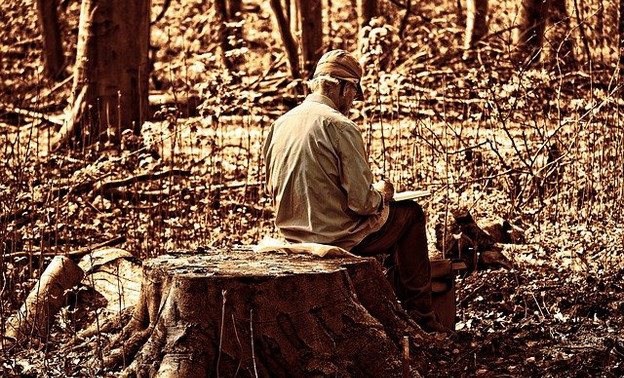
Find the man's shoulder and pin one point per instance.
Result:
(318, 112)
(329, 116)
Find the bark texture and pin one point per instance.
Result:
(221, 18)
(290, 45)
(244, 314)
(530, 31)
(561, 47)
(52, 42)
(621, 34)
(367, 9)
(112, 68)
(476, 24)
(311, 16)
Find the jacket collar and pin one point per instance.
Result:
(317, 97)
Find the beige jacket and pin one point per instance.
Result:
(319, 178)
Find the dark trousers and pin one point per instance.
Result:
(403, 236)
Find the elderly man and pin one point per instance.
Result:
(318, 175)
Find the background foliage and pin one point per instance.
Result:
(540, 147)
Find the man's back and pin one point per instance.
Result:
(319, 178)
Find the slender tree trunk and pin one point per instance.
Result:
(52, 41)
(311, 15)
(476, 24)
(234, 7)
(287, 7)
(112, 68)
(221, 17)
(621, 34)
(234, 32)
(530, 32)
(292, 8)
(562, 48)
(459, 12)
(367, 9)
(287, 38)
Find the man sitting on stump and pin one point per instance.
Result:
(318, 175)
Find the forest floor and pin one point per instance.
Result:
(540, 148)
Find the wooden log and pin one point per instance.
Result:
(115, 274)
(237, 312)
(44, 301)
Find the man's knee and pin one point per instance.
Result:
(415, 211)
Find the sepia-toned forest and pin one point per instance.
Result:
(131, 134)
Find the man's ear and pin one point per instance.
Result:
(343, 84)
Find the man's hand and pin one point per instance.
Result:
(385, 188)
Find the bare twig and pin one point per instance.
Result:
(75, 254)
(163, 10)
(253, 352)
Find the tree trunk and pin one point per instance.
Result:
(561, 46)
(235, 31)
(222, 31)
(51, 34)
(476, 24)
(311, 16)
(530, 31)
(234, 8)
(367, 9)
(621, 34)
(112, 68)
(287, 38)
(47, 297)
(266, 314)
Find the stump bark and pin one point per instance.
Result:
(240, 313)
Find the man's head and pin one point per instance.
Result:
(337, 76)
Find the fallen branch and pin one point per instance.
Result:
(80, 188)
(276, 63)
(106, 186)
(9, 109)
(77, 253)
(137, 196)
(236, 185)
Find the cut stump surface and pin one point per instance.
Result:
(240, 313)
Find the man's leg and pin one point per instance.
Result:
(413, 270)
(404, 236)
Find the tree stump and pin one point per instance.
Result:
(240, 313)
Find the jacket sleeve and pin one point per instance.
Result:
(355, 173)
(266, 155)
